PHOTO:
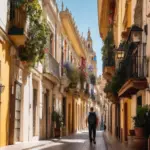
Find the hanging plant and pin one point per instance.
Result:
(72, 73)
(37, 35)
(108, 56)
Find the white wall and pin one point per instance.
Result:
(27, 110)
(3, 13)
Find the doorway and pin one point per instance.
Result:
(17, 112)
(35, 107)
(139, 101)
(46, 106)
(126, 121)
(64, 110)
(69, 117)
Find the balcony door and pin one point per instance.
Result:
(17, 112)
(45, 113)
(35, 111)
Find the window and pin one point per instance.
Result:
(139, 101)
(51, 44)
(17, 111)
(55, 54)
(68, 54)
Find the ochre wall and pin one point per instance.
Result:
(4, 97)
(129, 117)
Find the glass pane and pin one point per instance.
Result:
(17, 134)
(18, 105)
(17, 124)
(17, 115)
(18, 91)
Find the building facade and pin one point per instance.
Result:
(127, 18)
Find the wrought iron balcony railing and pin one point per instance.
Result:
(136, 67)
(51, 66)
(18, 19)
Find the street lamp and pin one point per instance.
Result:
(120, 52)
(135, 33)
(2, 87)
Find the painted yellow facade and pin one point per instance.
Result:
(4, 96)
(126, 118)
(103, 11)
(122, 21)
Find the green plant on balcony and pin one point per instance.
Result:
(37, 35)
(83, 78)
(73, 74)
(117, 82)
(107, 50)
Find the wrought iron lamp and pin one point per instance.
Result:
(135, 33)
(120, 52)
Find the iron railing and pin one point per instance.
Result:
(135, 66)
(51, 65)
(18, 19)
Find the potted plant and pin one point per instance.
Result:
(73, 74)
(140, 120)
(140, 141)
(58, 123)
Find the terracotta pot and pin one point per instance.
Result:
(132, 132)
(140, 143)
(57, 132)
(139, 132)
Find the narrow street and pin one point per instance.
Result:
(75, 142)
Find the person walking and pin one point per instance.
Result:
(92, 121)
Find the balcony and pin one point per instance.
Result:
(108, 69)
(17, 24)
(51, 66)
(136, 73)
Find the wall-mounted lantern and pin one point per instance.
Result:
(2, 87)
(136, 33)
(120, 52)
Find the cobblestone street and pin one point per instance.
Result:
(75, 142)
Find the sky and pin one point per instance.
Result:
(86, 16)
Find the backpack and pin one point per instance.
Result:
(92, 118)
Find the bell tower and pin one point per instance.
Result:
(89, 40)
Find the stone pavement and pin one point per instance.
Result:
(75, 142)
(113, 144)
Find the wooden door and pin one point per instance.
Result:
(126, 121)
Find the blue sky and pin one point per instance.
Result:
(86, 16)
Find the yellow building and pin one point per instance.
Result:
(4, 93)
(119, 16)
(74, 52)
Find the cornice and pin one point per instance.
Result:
(67, 15)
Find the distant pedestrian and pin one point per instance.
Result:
(92, 121)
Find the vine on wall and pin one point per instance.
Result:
(37, 34)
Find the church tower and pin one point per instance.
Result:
(92, 54)
(89, 40)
